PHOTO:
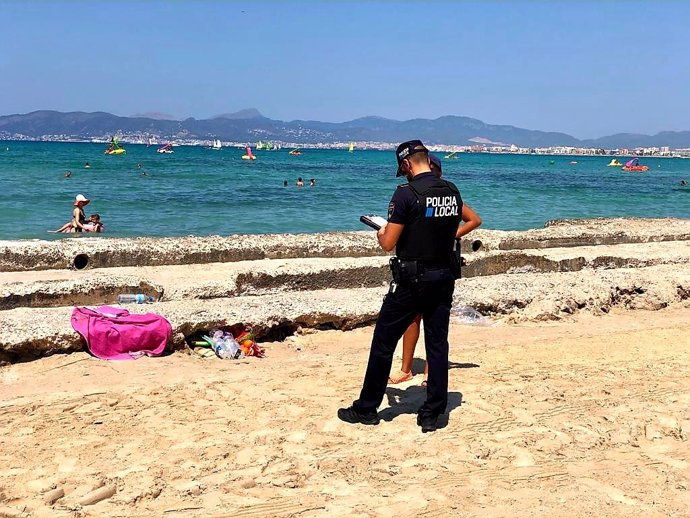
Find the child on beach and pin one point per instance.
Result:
(470, 221)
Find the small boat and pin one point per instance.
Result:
(351, 149)
(633, 166)
(451, 156)
(248, 155)
(614, 163)
(573, 162)
(259, 145)
(268, 146)
(167, 149)
(216, 144)
(295, 152)
(114, 147)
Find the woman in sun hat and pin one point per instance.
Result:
(78, 216)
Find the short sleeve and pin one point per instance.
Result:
(402, 205)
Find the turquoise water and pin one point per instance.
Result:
(202, 192)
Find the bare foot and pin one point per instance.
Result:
(402, 376)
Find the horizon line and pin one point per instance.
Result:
(261, 115)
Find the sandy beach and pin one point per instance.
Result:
(574, 402)
(208, 209)
(587, 417)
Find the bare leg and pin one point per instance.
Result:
(410, 339)
(409, 343)
(67, 227)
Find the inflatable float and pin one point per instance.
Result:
(114, 147)
(248, 155)
(633, 166)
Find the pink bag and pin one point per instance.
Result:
(114, 334)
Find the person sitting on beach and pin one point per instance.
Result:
(471, 221)
(93, 224)
(78, 216)
(312, 183)
(300, 182)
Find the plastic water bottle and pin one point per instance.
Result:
(131, 298)
(225, 346)
(469, 316)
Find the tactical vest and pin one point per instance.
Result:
(430, 236)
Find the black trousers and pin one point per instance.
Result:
(432, 296)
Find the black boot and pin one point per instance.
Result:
(429, 423)
(354, 416)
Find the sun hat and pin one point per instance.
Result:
(407, 149)
(436, 161)
(81, 198)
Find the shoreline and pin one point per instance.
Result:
(103, 251)
(681, 153)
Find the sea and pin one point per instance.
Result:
(199, 191)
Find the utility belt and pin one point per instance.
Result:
(413, 271)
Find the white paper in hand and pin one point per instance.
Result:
(374, 221)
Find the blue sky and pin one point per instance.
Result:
(585, 68)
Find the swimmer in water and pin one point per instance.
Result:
(68, 174)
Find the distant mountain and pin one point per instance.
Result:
(249, 113)
(250, 125)
(156, 116)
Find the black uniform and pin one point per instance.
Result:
(430, 208)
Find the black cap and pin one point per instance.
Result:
(436, 161)
(407, 149)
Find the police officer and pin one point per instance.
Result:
(423, 217)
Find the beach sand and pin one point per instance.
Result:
(588, 416)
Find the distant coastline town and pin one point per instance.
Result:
(248, 128)
(491, 148)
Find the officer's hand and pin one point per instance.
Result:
(382, 230)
